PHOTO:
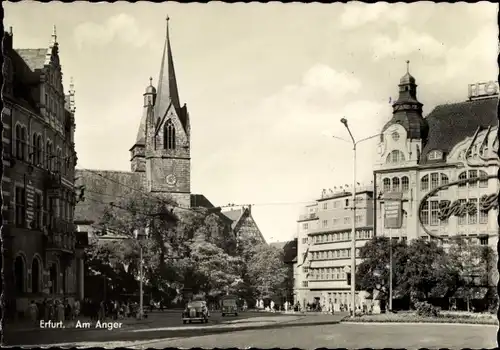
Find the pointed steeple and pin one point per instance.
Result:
(54, 36)
(167, 92)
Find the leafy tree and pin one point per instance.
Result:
(373, 272)
(422, 270)
(266, 270)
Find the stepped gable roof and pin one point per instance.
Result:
(450, 124)
(103, 187)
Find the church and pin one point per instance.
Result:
(160, 158)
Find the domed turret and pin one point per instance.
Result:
(150, 94)
(407, 110)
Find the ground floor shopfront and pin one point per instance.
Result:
(38, 267)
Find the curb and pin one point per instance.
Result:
(421, 323)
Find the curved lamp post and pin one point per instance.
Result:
(140, 235)
(353, 233)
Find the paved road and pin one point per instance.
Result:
(409, 336)
(158, 325)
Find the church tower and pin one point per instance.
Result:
(164, 153)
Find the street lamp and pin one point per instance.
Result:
(140, 235)
(353, 233)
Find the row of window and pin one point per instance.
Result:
(431, 213)
(434, 180)
(347, 220)
(333, 254)
(395, 157)
(341, 236)
(45, 209)
(338, 204)
(327, 273)
(48, 158)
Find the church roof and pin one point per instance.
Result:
(167, 92)
(34, 58)
(103, 187)
(450, 124)
(416, 126)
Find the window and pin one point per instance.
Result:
(305, 269)
(483, 217)
(395, 157)
(395, 184)
(424, 183)
(48, 155)
(304, 284)
(304, 240)
(434, 213)
(169, 135)
(483, 240)
(435, 155)
(320, 239)
(37, 217)
(20, 207)
(335, 222)
(359, 218)
(472, 212)
(424, 214)
(405, 183)
(347, 220)
(462, 176)
(325, 223)
(335, 204)
(325, 206)
(434, 180)
(473, 175)
(357, 252)
(21, 143)
(387, 185)
(305, 226)
(347, 203)
(444, 179)
(58, 160)
(483, 179)
(462, 219)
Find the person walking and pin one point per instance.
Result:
(33, 311)
(76, 309)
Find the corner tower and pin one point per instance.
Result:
(167, 136)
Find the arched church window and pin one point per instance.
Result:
(395, 157)
(395, 184)
(424, 183)
(387, 185)
(462, 176)
(444, 179)
(169, 135)
(405, 184)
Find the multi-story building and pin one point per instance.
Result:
(42, 253)
(324, 245)
(443, 166)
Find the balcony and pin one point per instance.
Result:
(310, 216)
(61, 242)
(53, 182)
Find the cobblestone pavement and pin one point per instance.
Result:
(311, 336)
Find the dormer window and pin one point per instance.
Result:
(435, 155)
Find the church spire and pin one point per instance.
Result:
(167, 83)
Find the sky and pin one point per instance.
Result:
(264, 84)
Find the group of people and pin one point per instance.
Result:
(53, 309)
(112, 309)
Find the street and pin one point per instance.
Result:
(267, 330)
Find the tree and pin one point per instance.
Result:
(423, 269)
(373, 272)
(266, 270)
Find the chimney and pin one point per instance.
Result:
(250, 209)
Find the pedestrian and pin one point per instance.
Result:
(76, 309)
(33, 311)
(60, 311)
(102, 311)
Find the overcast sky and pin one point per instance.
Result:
(262, 83)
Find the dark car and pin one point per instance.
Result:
(195, 311)
(229, 305)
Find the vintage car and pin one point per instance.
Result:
(229, 305)
(196, 311)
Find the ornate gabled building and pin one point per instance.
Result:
(243, 223)
(41, 250)
(443, 166)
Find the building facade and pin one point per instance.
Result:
(443, 166)
(324, 245)
(42, 251)
(243, 223)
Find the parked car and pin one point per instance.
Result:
(229, 305)
(195, 311)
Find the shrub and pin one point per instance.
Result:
(425, 309)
